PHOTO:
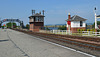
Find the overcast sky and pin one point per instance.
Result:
(56, 11)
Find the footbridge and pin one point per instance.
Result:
(12, 20)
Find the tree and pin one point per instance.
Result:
(62, 28)
(98, 23)
(14, 25)
(2, 27)
(47, 28)
(9, 25)
(27, 26)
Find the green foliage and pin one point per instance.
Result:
(47, 28)
(27, 26)
(98, 30)
(93, 29)
(98, 23)
(3, 27)
(9, 25)
(83, 29)
(80, 30)
(62, 28)
(88, 29)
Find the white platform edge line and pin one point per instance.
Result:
(66, 47)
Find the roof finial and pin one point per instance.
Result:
(68, 13)
(69, 16)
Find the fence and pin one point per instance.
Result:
(62, 32)
(90, 33)
(57, 31)
(96, 33)
(45, 31)
(84, 33)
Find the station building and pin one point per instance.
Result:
(75, 22)
(36, 21)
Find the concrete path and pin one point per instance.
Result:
(17, 44)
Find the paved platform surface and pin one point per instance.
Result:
(17, 44)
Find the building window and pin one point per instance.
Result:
(36, 20)
(39, 19)
(31, 20)
(81, 23)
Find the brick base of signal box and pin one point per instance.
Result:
(35, 27)
(74, 30)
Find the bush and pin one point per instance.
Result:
(2, 27)
(91, 30)
(98, 30)
(83, 29)
(78, 30)
(88, 29)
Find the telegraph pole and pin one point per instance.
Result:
(0, 19)
(95, 19)
(0, 22)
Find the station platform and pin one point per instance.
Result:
(18, 44)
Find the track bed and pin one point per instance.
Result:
(89, 45)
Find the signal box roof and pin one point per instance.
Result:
(76, 18)
(37, 15)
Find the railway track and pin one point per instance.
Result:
(87, 44)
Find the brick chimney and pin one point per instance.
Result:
(69, 16)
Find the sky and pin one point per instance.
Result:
(56, 11)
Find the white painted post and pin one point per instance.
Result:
(58, 31)
(62, 31)
(88, 33)
(95, 21)
(53, 31)
(69, 28)
(66, 31)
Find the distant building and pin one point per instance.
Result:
(75, 22)
(98, 16)
(36, 21)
